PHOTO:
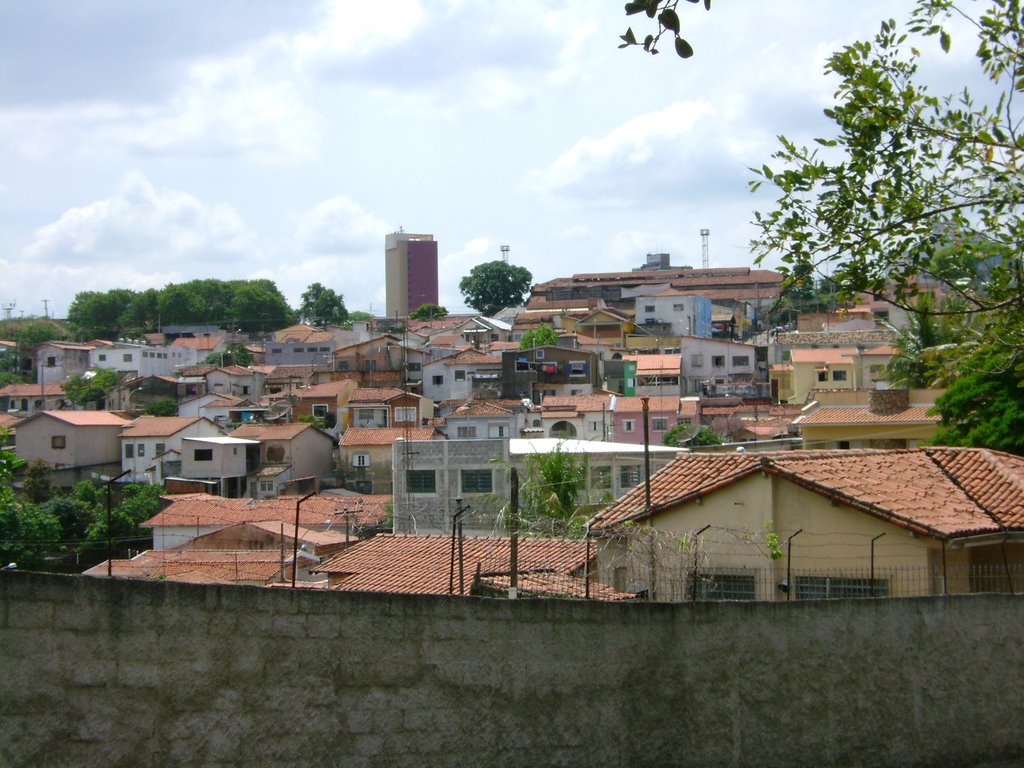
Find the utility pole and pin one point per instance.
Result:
(513, 523)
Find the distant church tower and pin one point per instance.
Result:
(410, 272)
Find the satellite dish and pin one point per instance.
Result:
(277, 410)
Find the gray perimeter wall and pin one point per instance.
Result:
(116, 673)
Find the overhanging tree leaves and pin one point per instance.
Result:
(322, 306)
(541, 336)
(90, 387)
(668, 21)
(495, 284)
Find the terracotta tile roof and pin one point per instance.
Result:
(373, 395)
(655, 403)
(471, 357)
(200, 566)
(85, 418)
(826, 356)
(942, 492)
(227, 401)
(32, 390)
(649, 364)
(271, 431)
(501, 346)
(554, 585)
(364, 436)
(327, 389)
(196, 370)
(157, 426)
(236, 370)
(275, 528)
(480, 409)
(9, 421)
(284, 373)
(201, 344)
(450, 340)
(828, 338)
(204, 510)
(837, 415)
(422, 564)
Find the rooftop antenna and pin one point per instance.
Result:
(46, 308)
(704, 235)
(8, 309)
(504, 253)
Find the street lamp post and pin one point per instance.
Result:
(110, 540)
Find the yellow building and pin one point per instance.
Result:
(815, 524)
(874, 418)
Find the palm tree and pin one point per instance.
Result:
(924, 346)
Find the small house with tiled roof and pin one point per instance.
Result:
(187, 516)
(304, 449)
(462, 376)
(371, 407)
(237, 380)
(663, 413)
(812, 524)
(206, 566)
(73, 443)
(147, 441)
(382, 361)
(874, 418)
(364, 455)
(483, 418)
(720, 367)
(56, 361)
(281, 378)
(26, 399)
(300, 345)
(582, 417)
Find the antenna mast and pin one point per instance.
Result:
(704, 235)
(504, 253)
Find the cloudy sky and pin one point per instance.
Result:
(144, 142)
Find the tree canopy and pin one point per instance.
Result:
(322, 306)
(428, 312)
(493, 285)
(91, 386)
(913, 192)
(541, 336)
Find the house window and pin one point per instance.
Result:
(421, 481)
(741, 360)
(595, 426)
(696, 361)
(51, 362)
(266, 486)
(413, 367)
(460, 375)
(659, 424)
(57, 442)
(648, 307)
(129, 451)
(343, 365)
(828, 587)
(275, 350)
(718, 361)
(437, 381)
(320, 410)
(127, 357)
(405, 413)
(601, 478)
(160, 448)
(102, 358)
(538, 354)
(371, 365)
(678, 307)
(477, 481)
(466, 432)
(245, 389)
(629, 477)
(496, 430)
(628, 425)
(522, 364)
(726, 586)
(361, 460)
(141, 450)
(202, 454)
(302, 349)
(822, 375)
(838, 375)
(577, 368)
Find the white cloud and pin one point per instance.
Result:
(338, 225)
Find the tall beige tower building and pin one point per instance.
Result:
(410, 272)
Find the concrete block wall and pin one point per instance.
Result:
(118, 673)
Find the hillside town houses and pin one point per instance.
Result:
(368, 450)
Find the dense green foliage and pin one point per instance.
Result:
(913, 190)
(36, 485)
(246, 305)
(234, 354)
(984, 406)
(90, 387)
(165, 407)
(494, 285)
(551, 492)
(541, 336)
(322, 306)
(684, 435)
(428, 312)
(14, 365)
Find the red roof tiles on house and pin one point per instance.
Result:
(157, 426)
(204, 510)
(849, 415)
(944, 492)
(422, 564)
(85, 418)
(363, 436)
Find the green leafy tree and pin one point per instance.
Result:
(552, 490)
(26, 531)
(495, 284)
(143, 312)
(910, 188)
(167, 406)
(923, 346)
(178, 304)
(97, 314)
(541, 336)
(138, 504)
(26, 334)
(255, 302)
(74, 516)
(984, 406)
(36, 484)
(359, 316)
(90, 387)
(428, 312)
(668, 21)
(322, 306)
(686, 436)
(234, 354)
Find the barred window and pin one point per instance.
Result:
(421, 481)
(477, 481)
(726, 586)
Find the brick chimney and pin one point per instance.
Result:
(883, 402)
